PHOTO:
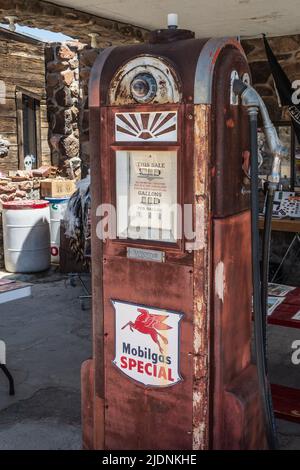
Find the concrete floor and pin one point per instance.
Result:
(48, 337)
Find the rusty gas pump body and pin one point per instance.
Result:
(211, 400)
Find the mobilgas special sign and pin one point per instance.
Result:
(147, 344)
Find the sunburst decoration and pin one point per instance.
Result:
(136, 127)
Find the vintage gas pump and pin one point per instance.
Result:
(171, 249)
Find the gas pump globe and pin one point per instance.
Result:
(143, 88)
(171, 366)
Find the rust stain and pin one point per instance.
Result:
(201, 281)
(230, 123)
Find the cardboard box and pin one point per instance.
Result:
(57, 188)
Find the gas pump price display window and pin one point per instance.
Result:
(146, 194)
(146, 174)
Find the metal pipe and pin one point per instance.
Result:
(266, 242)
(251, 99)
(259, 320)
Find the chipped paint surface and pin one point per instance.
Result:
(201, 280)
(199, 437)
(206, 64)
(220, 281)
(197, 337)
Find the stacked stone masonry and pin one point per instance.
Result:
(68, 69)
(287, 51)
(27, 189)
(74, 23)
(62, 79)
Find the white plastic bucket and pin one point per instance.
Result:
(58, 208)
(26, 236)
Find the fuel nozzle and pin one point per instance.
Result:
(254, 104)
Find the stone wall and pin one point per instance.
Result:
(287, 51)
(68, 68)
(62, 81)
(74, 23)
(87, 58)
(17, 190)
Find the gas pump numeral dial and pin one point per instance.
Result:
(143, 88)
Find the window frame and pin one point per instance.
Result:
(20, 93)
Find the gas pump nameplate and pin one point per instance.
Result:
(146, 127)
(146, 254)
(147, 344)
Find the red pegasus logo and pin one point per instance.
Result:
(148, 324)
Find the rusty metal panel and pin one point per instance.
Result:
(96, 117)
(137, 417)
(201, 343)
(232, 290)
(175, 53)
(230, 139)
(87, 404)
(207, 60)
(243, 420)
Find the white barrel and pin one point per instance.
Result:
(58, 208)
(26, 236)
